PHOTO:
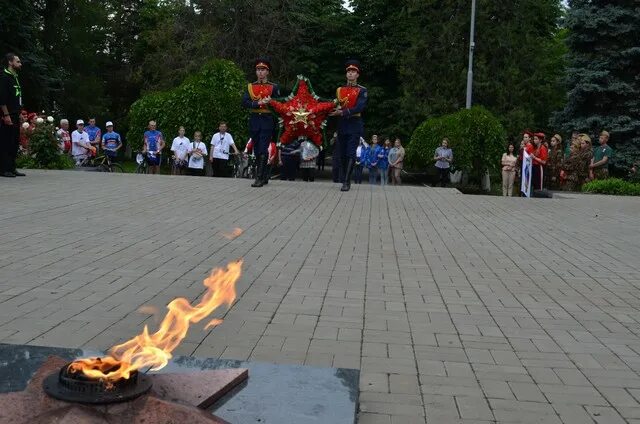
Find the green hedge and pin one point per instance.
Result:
(612, 186)
(476, 137)
(203, 100)
(43, 151)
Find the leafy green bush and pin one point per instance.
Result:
(26, 161)
(612, 186)
(203, 100)
(476, 137)
(43, 150)
(43, 145)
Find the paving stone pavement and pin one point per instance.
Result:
(456, 309)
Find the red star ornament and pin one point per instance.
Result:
(302, 114)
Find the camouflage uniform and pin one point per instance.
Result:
(577, 168)
(601, 173)
(554, 165)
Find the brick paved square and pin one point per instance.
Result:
(455, 308)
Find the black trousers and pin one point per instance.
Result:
(308, 174)
(9, 143)
(220, 168)
(336, 164)
(444, 176)
(358, 174)
(537, 177)
(289, 168)
(321, 160)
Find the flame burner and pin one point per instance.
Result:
(76, 387)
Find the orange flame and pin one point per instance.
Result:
(237, 232)
(214, 322)
(154, 350)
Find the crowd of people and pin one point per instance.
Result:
(383, 162)
(555, 165)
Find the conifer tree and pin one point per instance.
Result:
(602, 77)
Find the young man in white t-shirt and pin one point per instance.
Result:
(220, 144)
(80, 144)
(180, 149)
(197, 153)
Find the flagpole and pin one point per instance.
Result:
(472, 46)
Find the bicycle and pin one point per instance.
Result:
(249, 167)
(237, 164)
(105, 164)
(88, 161)
(143, 163)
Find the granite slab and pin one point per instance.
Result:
(283, 394)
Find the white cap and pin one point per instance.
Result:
(79, 121)
(109, 124)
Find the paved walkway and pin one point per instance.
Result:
(456, 309)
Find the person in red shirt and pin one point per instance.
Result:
(527, 136)
(540, 155)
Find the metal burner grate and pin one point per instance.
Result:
(76, 387)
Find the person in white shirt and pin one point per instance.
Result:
(64, 137)
(180, 149)
(197, 153)
(80, 145)
(220, 144)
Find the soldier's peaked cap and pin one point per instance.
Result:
(263, 62)
(353, 64)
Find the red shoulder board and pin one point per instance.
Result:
(348, 96)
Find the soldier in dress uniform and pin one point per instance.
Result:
(352, 100)
(261, 122)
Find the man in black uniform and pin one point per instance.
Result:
(261, 123)
(352, 100)
(10, 106)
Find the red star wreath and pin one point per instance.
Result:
(302, 114)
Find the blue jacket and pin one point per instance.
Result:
(383, 157)
(372, 156)
(364, 154)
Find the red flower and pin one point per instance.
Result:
(302, 114)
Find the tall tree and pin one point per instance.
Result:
(19, 34)
(518, 60)
(381, 40)
(602, 78)
(323, 43)
(73, 34)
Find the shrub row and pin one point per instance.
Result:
(614, 186)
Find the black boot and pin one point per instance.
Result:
(259, 172)
(346, 186)
(267, 171)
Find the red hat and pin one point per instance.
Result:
(32, 115)
(540, 135)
